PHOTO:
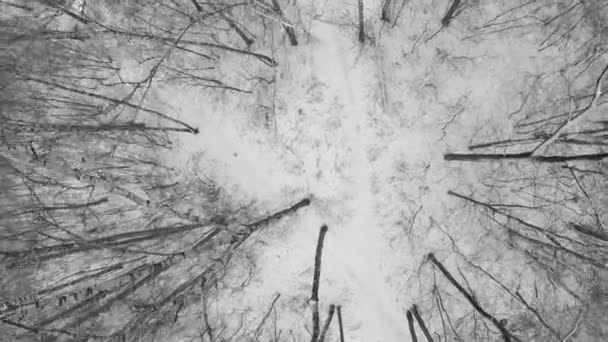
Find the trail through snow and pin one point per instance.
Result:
(358, 239)
(361, 129)
(328, 141)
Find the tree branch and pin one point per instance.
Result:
(571, 119)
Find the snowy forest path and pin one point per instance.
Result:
(359, 240)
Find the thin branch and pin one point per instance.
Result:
(536, 313)
(492, 207)
(564, 126)
(248, 41)
(258, 330)
(205, 305)
(115, 101)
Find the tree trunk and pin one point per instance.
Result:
(248, 41)
(450, 14)
(385, 11)
(583, 229)
(426, 332)
(505, 334)
(315, 285)
(340, 323)
(291, 33)
(410, 324)
(525, 155)
(330, 315)
(361, 28)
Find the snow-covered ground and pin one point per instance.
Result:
(361, 130)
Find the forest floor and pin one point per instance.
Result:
(361, 128)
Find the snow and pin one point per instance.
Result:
(361, 131)
(335, 143)
(356, 242)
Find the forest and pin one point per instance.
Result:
(303, 170)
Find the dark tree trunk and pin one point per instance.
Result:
(248, 41)
(361, 28)
(426, 332)
(589, 231)
(525, 155)
(385, 11)
(291, 33)
(505, 334)
(330, 315)
(410, 324)
(315, 284)
(450, 14)
(340, 323)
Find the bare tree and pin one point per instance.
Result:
(540, 190)
(82, 143)
(360, 8)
